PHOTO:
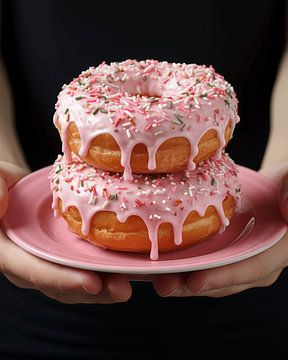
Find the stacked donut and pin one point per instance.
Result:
(144, 168)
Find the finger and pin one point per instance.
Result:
(166, 284)
(228, 290)
(11, 173)
(118, 286)
(43, 275)
(28, 271)
(116, 289)
(246, 271)
(234, 289)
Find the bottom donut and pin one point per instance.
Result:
(151, 214)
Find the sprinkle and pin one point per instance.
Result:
(123, 205)
(229, 93)
(117, 122)
(114, 197)
(139, 203)
(179, 118)
(95, 111)
(59, 169)
(79, 97)
(105, 193)
(176, 121)
(126, 124)
(159, 132)
(66, 111)
(128, 133)
(105, 204)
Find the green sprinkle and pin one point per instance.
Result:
(182, 127)
(213, 182)
(170, 105)
(95, 111)
(114, 197)
(66, 111)
(104, 111)
(229, 93)
(179, 118)
(176, 121)
(81, 183)
(210, 85)
(79, 97)
(80, 82)
(227, 102)
(204, 95)
(59, 169)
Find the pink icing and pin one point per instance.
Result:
(146, 102)
(154, 198)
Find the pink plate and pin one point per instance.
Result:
(29, 222)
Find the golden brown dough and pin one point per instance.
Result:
(132, 236)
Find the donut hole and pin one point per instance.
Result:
(147, 88)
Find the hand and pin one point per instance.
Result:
(258, 271)
(58, 282)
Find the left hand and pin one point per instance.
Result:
(258, 271)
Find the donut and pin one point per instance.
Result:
(146, 116)
(150, 214)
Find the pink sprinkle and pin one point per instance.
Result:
(117, 122)
(139, 203)
(148, 126)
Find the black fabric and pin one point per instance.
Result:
(46, 44)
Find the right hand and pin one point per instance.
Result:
(64, 284)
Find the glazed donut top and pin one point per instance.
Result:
(155, 199)
(146, 102)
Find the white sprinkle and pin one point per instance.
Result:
(159, 132)
(128, 133)
(105, 205)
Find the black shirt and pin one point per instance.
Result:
(47, 43)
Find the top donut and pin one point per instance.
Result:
(146, 116)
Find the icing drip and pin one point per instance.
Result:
(146, 102)
(156, 199)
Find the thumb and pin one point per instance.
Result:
(9, 175)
